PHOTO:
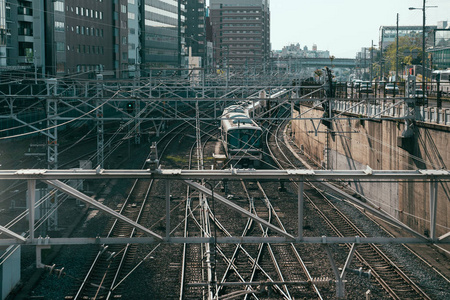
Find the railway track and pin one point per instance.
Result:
(384, 270)
(111, 263)
(247, 271)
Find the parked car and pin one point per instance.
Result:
(357, 83)
(421, 99)
(390, 88)
(366, 87)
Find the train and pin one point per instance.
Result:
(241, 136)
(443, 74)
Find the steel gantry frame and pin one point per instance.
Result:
(53, 177)
(191, 177)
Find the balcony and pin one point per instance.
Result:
(21, 60)
(24, 14)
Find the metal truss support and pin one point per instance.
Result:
(39, 249)
(12, 234)
(300, 209)
(340, 278)
(52, 133)
(52, 149)
(445, 237)
(137, 123)
(79, 195)
(100, 126)
(198, 138)
(433, 208)
(237, 208)
(168, 198)
(31, 202)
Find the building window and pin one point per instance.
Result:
(59, 26)
(60, 46)
(58, 6)
(123, 9)
(60, 67)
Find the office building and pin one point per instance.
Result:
(162, 38)
(241, 33)
(90, 37)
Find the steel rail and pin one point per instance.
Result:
(188, 211)
(295, 251)
(261, 247)
(376, 249)
(110, 232)
(298, 256)
(375, 270)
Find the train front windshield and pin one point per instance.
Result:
(244, 139)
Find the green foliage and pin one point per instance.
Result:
(405, 43)
(318, 73)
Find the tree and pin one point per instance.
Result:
(318, 73)
(332, 57)
(406, 44)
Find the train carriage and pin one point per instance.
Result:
(241, 136)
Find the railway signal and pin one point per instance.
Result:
(130, 107)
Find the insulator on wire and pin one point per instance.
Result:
(58, 272)
(321, 281)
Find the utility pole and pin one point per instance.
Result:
(396, 55)
(35, 67)
(424, 54)
(371, 62)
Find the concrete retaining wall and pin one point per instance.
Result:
(356, 144)
(9, 270)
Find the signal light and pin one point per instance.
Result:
(130, 107)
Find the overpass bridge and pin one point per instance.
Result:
(304, 62)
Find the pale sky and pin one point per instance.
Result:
(345, 26)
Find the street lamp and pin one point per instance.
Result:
(424, 57)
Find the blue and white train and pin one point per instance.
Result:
(241, 136)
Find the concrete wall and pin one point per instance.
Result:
(357, 144)
(9, 270)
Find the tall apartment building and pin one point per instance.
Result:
(20, 46)
(196, 28)
(241, 32)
